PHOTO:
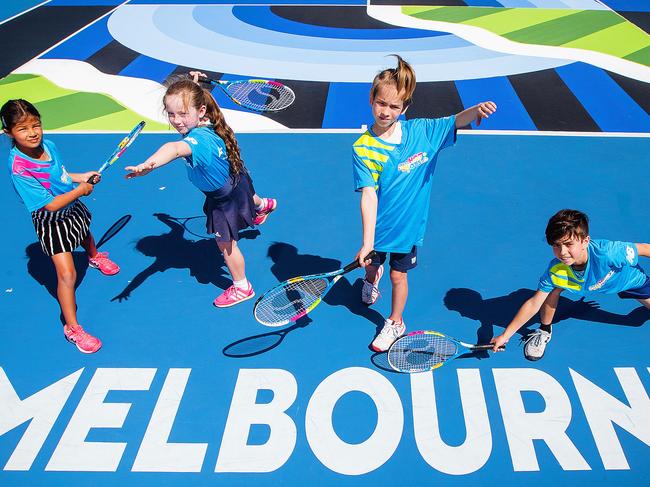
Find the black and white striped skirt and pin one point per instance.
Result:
(62, 230)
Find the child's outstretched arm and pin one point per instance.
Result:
(643, 249)
(547, 311)
(166, 154)
(525, 313)
(477, 112)
(368, 221)
(63, 200)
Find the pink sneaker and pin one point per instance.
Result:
(263, 214)
(85, 342)
(105, 265)
(233, 295)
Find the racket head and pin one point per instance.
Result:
(122, 146)
(421, 351)
(259, 95)
(291, 299)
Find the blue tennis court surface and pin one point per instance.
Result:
(183, 392)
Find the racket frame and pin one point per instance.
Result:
(223, 84)
(332, 277)
(119, 150)
(461, 348)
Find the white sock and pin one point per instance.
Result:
(262, 204)
(243, 284)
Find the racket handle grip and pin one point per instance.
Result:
(94, 179)
(489, 346)
(207, 79)
(353, 265)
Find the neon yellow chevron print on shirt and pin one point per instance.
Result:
(563, 276)
(373, 153)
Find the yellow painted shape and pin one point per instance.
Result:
(618, 40)
(504, 21)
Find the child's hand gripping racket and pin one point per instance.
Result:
(421, 351)
(294, 298)
(258, 95)
(119, 150)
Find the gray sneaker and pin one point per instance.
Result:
(535, 344)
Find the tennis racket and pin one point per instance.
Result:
(258, 95)
(421, 351)
(292, 299)
(119, 150)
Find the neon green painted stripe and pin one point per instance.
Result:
(642, 56)
(16, 78)
(413, 11)
(566, 29)
(64, 109)
(453, 14)
(32, 88)
(618, 40)
(508, 20)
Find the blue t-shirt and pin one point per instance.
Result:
(402, 175)
(207, 168)
(612, 267)
(38, 182)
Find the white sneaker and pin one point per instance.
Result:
(388, 334)
(536, 344)
(370, 291)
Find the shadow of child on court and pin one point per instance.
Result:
(499, 311)
(173, 251)
(40, 267)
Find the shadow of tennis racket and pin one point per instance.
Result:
(113, 230)
(380, 360)
(259, 344)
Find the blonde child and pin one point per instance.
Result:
(393, 164)
(214, 165)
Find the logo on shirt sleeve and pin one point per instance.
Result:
(629, 254)
(191, 140)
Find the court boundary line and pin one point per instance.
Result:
(73, 34)
(25, 11)
(537, 133)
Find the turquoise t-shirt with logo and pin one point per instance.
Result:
(402, 175)
(612, 267)
(207, 167)
(38, 182)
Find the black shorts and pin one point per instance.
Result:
(62, 230)
(398, 262)
(642, 292)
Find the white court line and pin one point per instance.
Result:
(534, 133)
(24, 11)
(553, 133)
